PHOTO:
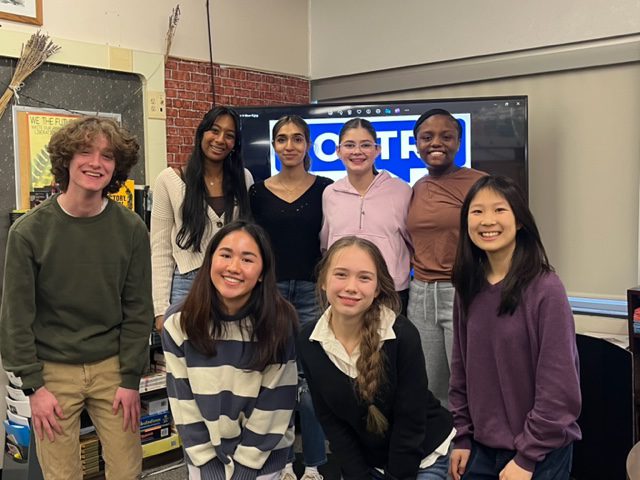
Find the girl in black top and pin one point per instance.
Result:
(288, 206)
(366, 373)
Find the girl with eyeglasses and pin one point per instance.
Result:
(369, 204)
(191, 203)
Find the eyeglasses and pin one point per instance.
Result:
(364, 146)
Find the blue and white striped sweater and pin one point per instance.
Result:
(235, 423)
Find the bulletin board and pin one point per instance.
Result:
(32, 129)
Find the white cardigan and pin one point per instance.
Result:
(166, 221)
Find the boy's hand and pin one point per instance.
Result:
(44, 410)
(130, 401)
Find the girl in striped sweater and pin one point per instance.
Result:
(231, 370)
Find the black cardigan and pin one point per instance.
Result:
(418, 424)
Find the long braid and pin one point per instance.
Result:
(371, 364)
(371, 370)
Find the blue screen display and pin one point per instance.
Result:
(494, 135)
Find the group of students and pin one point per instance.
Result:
(294, 292)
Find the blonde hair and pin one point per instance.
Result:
(371, 363)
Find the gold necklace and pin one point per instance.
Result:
(290, 191)
(214, 181)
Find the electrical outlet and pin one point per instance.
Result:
(157, 105)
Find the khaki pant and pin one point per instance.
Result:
(92, 386)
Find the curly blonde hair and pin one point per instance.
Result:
(81, 133)
(372, 362)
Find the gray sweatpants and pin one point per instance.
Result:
(431, 311)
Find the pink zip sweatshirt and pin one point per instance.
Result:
(380, 215)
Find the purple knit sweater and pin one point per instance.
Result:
(515, 379)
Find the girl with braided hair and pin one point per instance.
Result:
(366, 373)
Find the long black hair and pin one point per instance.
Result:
(234, 187)
(273, 319)
(529, 257)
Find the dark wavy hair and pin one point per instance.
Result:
(372, 363)
(433, 112)
(234, 187)
(529, 257)
(302, 125)
(273, 319)
(82, 133)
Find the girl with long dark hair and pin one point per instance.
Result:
(190, 204)
(231, 368)
(288, 206)
(366, 373)
(515, 388)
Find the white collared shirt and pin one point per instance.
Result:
(335, 350)
(347, 363)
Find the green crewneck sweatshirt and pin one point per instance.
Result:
(76, 290)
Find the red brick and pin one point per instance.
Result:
(200, 77)
(187, 67)
(181, 75)
(239, 74)
(170, 83)
(187, 95)
(250, 85)
(200, 105)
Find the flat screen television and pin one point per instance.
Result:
(494, 135)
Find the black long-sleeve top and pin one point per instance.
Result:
(418, 424)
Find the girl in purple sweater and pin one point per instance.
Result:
(514, 390)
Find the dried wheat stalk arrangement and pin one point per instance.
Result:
(174, 18)
(34, 53)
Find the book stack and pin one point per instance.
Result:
(17, 426)
(636, 320)
(91, 459)
(153, 381)
(155, 419)
(159, 364)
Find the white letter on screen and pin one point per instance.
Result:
(318, 144)
(405, 147)
(384, 137)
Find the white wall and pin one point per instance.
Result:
(269, 36)
(354, 36)
(584, 168)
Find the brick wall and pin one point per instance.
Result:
(188, 92)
